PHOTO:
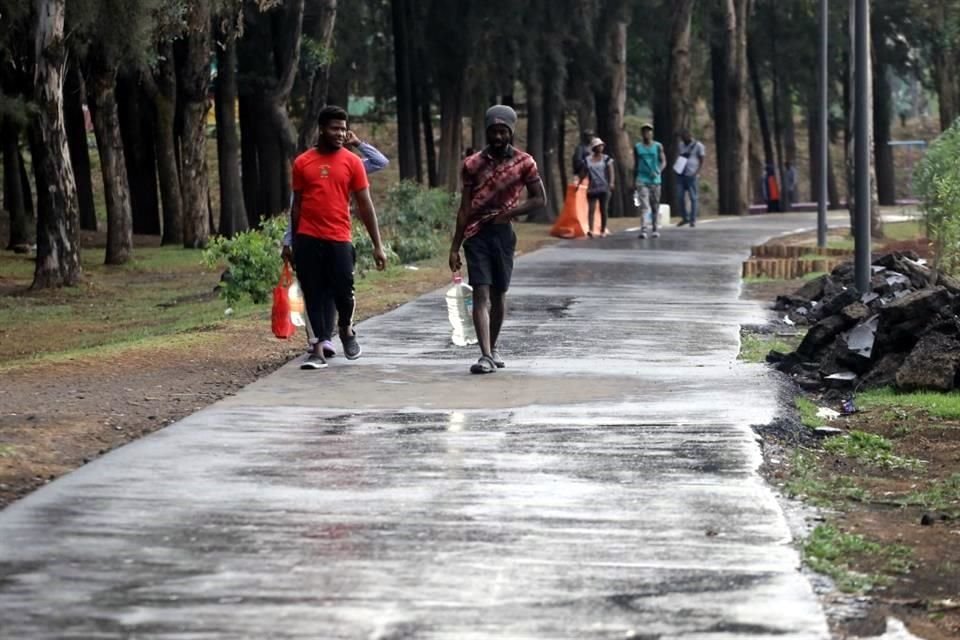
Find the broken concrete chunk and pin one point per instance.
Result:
(931, 365)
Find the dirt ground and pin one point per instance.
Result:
(926, 597)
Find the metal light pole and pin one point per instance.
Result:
(861, 219)
(824, 132)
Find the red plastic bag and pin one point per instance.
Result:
(280, 315)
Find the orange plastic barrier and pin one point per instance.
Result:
(572, 222)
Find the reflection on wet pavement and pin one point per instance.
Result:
(602, 486)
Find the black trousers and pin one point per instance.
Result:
(325, 271)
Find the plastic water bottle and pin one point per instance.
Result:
(460, 311)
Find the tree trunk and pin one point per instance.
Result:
(768, 158)
(535, 127)
(271, 163)
(253, 196)
(137, 129)
(320, 81)
(430, 146)
(76, 127)
(195, 81)
(25, 186)
(58, 219)
(738, 98)
(680, 107)
(14, 199)
(882, 120)
(289, 23)
(554, 79)
(478, 110)
(813, 148)
(451, 134)
(406, 114)
(561, 159)
(945, 70)
(233, 214)
(116, 187)
(162, 89)
(721, 111)
(611, 109)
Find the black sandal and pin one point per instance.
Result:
(484, 365)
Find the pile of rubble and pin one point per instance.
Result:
(905, 332)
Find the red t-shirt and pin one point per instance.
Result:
(325, 182)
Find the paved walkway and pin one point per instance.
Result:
(604, 485)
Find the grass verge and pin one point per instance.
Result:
(832, 552)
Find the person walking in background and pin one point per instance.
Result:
(493, 181)
(687, 166)
(598, 169)
(789, 184)
(771, 190)
(649, 161)
(323, 178)
(373, 161)
(582, 151)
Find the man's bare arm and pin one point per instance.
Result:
(295, 212)
(368, 215)
(536, 199)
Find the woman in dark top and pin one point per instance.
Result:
(599, 170)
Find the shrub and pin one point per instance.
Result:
(418, 222)
(253, 261)
(937, 180)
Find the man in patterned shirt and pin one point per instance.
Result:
(493, 181)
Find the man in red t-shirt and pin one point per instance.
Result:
(323, 180)
(493, 181)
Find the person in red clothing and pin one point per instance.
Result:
(493, 181)
(323, 180)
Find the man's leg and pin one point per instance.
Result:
(681, 198)
(340, 269)
(604, 202)
(330, 313)
(692, 187)
(498, 311)
(310, 257)
(481, 317)
(654, 200)
(506, 246)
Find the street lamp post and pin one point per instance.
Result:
(824, 132)
(862, 151)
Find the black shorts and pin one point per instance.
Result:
(490, 256)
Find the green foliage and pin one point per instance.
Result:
(253, 260)
(834, 553)
(871, 449)
(808, 413)
(943, 495)
(807, 481)
(755, 347)
(96, 22)
(938, 405)
(937, 180)
(418, 222)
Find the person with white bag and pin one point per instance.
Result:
(687, 167)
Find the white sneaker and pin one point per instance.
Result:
(656, 234)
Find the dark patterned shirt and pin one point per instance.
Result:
(495, 184)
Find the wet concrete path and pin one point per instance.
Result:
(604, 485)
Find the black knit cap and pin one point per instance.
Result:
(501, 114)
